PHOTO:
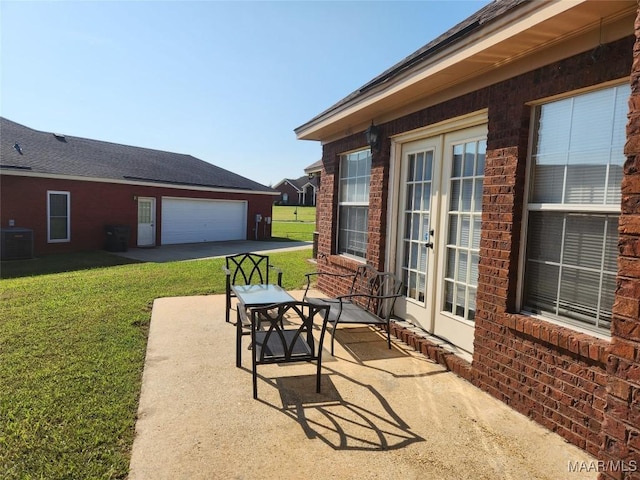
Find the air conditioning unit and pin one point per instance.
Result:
(16, 243)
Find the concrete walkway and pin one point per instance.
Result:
(196, 251)
(382, 414)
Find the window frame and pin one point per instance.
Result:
(67, 238)
(350, 203)
(567, 208)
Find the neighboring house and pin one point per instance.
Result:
(314, 170)
(298, 191)
(499, 190)
(67, 190)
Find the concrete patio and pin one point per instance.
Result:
(381, 414)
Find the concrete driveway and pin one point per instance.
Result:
(195, 251)
(382, 414)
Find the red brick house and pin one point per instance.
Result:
(504, 189)
(298, 191)
(69, 190)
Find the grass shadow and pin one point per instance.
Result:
(63, 262)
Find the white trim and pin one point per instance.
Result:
(568, 324)
(574, 93)
(573, 207)
(479, 117)
(54, 176)
(68, 237)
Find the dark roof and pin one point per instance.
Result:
(486, 14)
(300, 182)
(314, 167)
(28, 150)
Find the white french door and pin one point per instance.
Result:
(438, 235)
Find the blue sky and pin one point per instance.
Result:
(226, 82)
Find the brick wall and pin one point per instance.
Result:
(621, 425)
(563, 379)
(96, 204)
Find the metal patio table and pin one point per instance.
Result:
(249, 296)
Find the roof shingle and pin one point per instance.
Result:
(47, 153)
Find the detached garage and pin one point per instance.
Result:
(185, 220)
(69, 191)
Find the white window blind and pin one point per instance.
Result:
(574, 205)
(353, 203)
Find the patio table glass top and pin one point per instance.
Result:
(259, 295)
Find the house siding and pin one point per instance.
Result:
(96, 204)
(292, 194)
(584, 388)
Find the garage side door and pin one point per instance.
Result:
(186, 220)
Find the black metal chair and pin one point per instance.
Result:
(283, 333)
(247, 269)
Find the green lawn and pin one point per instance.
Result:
(283, 213)
(72, 349)
(285, 225)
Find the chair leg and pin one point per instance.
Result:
(318, 376)
(255, 380)
(228, 309)
(333, 336)
(238, 341)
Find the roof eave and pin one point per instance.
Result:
(507, 39)
(131, 181)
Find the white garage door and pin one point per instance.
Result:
(185, 220)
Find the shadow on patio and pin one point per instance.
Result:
(381, 414)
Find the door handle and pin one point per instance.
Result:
(429, 244)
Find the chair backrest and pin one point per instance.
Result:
(286, 332)
(248, 268)
(382, 288)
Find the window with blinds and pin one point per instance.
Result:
(574, 205)
(353, 203)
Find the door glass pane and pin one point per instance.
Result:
(469, 159)
(467, 192)
(411, 160)
(144, 212)
(482, 149)
(464, 231)
(454, 195)
(458, 151)
(426, 196)
(409, 204)
(475, 243)
(464, 224)
(417, 203)
(420, 166)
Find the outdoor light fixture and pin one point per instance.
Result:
(373, 137)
